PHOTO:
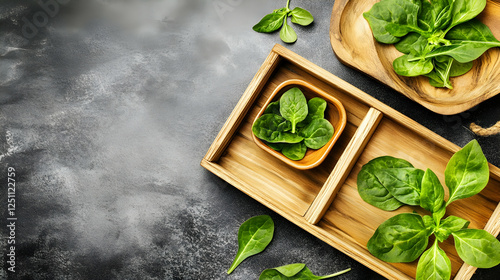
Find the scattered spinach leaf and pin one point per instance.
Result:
(279, 19)
(295, 151)
(431, 193)
(253, 237)
(294, 271)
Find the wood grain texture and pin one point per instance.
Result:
(348, 222)
(354, 45)
(343, 167)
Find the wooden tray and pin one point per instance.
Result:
(354, 45)
(324, 200)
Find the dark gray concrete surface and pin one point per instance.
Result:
(107, 108)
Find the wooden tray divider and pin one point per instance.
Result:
(240, 110)
(343, 167)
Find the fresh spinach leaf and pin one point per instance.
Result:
(317, 133)
(294, 271)
(293, 106)
(409, 42)
(403, 183)
(295, 151)
(465, 10)
(392, 19)
(272, 128)
(449, 225)
(401, 238)
(372, 190)
(446, 67)
(477, 247)
(273, 108)
(253, 237)
(434, 264)
(467, 172)
(301, 16)
(434, 15)
(405, 67)
(271, 22)
(316, 109)
(431, 193)
(287, 34)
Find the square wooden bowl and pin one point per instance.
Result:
(334, 113)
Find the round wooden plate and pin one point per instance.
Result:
(353, 43)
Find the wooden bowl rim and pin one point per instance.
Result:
(303, 164)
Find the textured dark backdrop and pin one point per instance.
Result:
(106, 110)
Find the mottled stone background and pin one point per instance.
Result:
(106, 110)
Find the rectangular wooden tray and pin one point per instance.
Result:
(324, 200)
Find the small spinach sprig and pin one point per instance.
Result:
(292, 124)
(388, 183)
(279, 18)
(440, 38)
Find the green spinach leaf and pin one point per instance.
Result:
(273, 108)
(317, 133)
(287, 34)
(273, 129)
(405, 67)
(401, 238)
(293, 106)
(295, 151)
(434, 264)
(392, 19)
(271, 22)
(316, 109)
(477, 247)
(294, 271)
(301, 16)
(431, 193)
(467, 172)
(403, 183)
(435, 15)
(253, 237)
(372, 190)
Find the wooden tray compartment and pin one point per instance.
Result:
(324, 200)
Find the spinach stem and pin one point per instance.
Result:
(335, 274)
(288, 4)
